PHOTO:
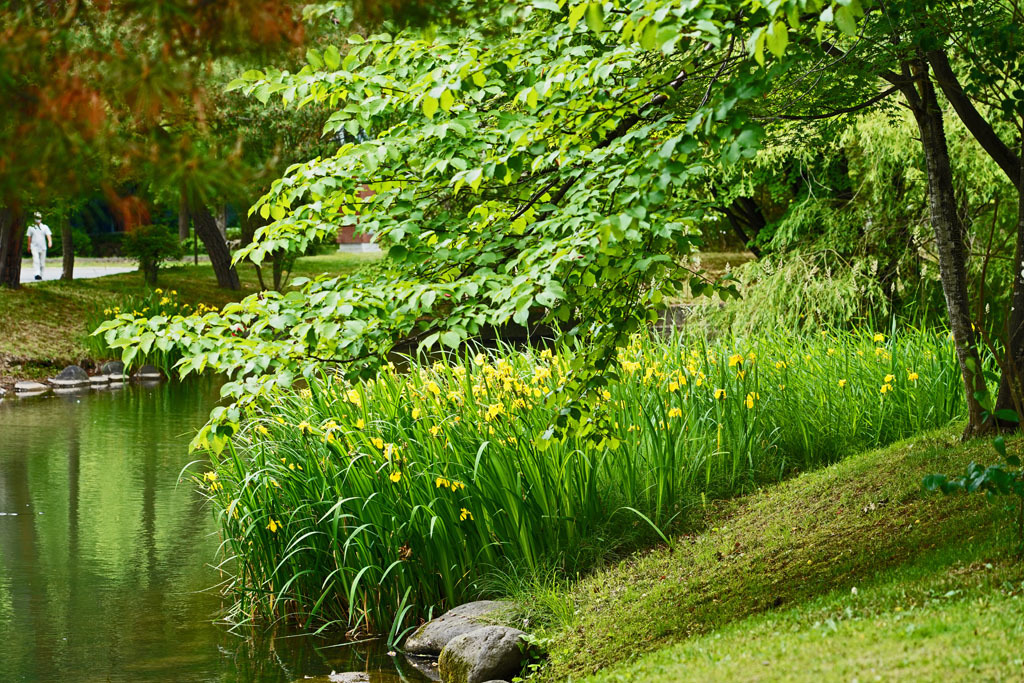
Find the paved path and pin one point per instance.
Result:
(90, 269)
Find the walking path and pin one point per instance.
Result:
(84, 269)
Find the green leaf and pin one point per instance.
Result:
(451, 338)
(778, 38)
(429, 342)
(595, 17)
(429, 106)
(447, 100)
(1007, 415)
(999, 443)
(649, 38)
(332, 58)
(845, 21)
(576, 13)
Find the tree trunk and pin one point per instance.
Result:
(949, 239)
(1011, 384)
(67, 245)
(12, 232)
(183, 219)
(220, 257)
(278, 271)
(222, 220)
(744, 211)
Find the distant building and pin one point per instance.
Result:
(347, 234)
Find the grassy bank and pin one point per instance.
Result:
(43, 325)
(357, 504)
(847, 572)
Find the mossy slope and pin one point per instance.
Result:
(766, 590)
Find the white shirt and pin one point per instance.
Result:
(37, 235)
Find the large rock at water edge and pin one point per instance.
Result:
(112, 367)
(71, 376)
(431, 637)
(484, 654)
(28, 386)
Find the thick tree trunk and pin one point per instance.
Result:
(949, 239)
(220, 257)
(1011, 385)
(12, 232)
(67, 245)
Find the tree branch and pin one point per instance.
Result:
(980, 128)
(837, 112)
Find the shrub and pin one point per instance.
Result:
(151, 246)
(369, 504)
(155, 303)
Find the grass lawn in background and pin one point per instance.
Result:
(42, 325)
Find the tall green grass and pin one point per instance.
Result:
(368, 505)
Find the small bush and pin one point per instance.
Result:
(156, 302)
(151, 246)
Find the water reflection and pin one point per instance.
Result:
(105, 558)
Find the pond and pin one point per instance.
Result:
(107, 558)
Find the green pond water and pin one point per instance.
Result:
(107, 559)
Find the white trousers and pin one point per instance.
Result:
(39, 259)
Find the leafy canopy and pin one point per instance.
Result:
(542, 163)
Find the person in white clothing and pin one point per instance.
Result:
(39, 238)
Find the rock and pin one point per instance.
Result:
(431, 637)
(148, 372)
(354, 677)
(112, 367)
(72, 373)
(484, 654)
(71, 376)
(28, 386)
(71, 391)
(2, 392)
(33, 394)
(349, 677)
(99, 380)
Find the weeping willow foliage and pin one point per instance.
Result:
(847, 232)
(799, 292)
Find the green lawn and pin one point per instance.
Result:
(765, 590)
(43, 323)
